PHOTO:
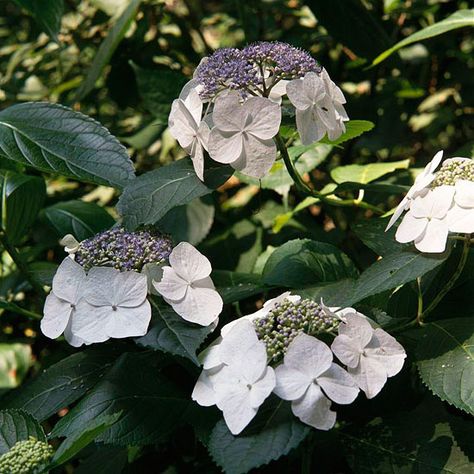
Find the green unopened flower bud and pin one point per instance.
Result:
(26, 457)
(453, 170)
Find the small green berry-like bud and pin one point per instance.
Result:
(453, 170)
(26, 457)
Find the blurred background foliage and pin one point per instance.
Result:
(123, 62)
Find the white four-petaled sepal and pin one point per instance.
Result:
(243, 133)
(308, 371)
(187, 287)
(371, 355)
(461, 216)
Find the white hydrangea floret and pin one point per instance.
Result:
(187, 287)
(461, 215)
(186, 126)
(308, 376)
(371, 355)
(239, 380)
(243, 133)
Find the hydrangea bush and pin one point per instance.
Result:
(265, 294)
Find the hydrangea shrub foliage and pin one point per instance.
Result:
(263, 266)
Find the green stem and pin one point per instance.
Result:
(20, 263)
(304, 188)
(19, 310)
(449, 285)
(419, 313)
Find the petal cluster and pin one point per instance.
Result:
(439, 202)
(187, 287)
(94, 307)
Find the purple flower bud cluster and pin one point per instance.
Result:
(124, 250)
(281, 325)
(247, 69)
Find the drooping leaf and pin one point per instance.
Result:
(154, 406)
(56, 139)
(445, 359)
(15, 360)
(17, 425)
(302, 262)
(24, 196)
(459, 19)
(79, 218)
(80, 439)
(354, 129)
(149, 197)
(61, 384)
(47, 14)
(366, 173)
(158, 88)
(274, 433)
(171, 333)
(107, 48)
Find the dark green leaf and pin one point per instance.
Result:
(158, 88)
(107, 48)
(16, 425)
(105, 460)
(62, 383)
(56, 139)
(153, 405)
(339, 293)
(80, 439)
(46, 13)
(274, 433)
(24, 196)
(302, 262)
(460, 19)
(171, 333)
(234, 286)
(445, 355)
(79, 218)
(149, 197)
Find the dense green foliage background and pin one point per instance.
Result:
(122, 63)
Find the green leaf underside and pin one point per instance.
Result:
(62, 383)
(17, 425)
(107, 48)
(171, 333)
(276, 432)
(304, 262)
(460, 19)
(445, 359)
(150, 196)
(154, 406)
(55, 139)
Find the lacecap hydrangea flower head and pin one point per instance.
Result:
(100, 291)
(280, 349)
(232, 106)
(439, 202)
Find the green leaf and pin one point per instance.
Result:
(79, 218)
(153, 406)
(24, 196)
(171, 333)
(339, 293)
(107, 48)
(190, 223)
(234, 286)
(302, 262)
(158, 88)
(460, 19)
(105, 460)
(15, 360)
(56, 139)
(354, 129)
(366, 173)
(149, 197)
(80, 439)
(47, 14)
(352, 24)
(61, 384)
(273, 433)
(445, 359)
(16, 425)
(437, 443)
